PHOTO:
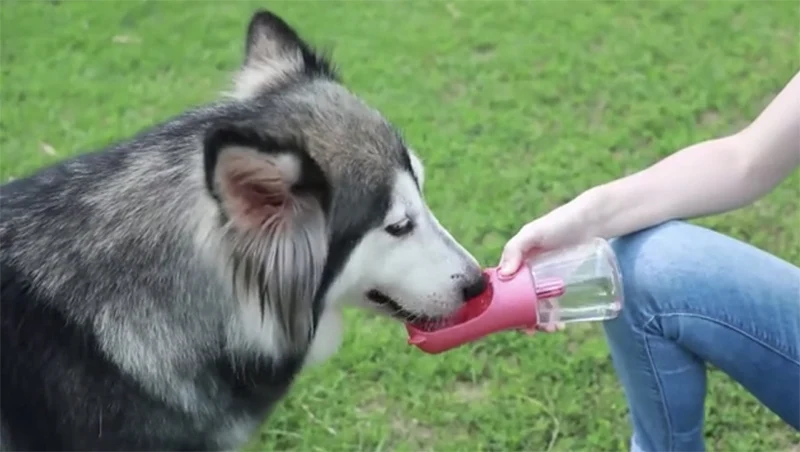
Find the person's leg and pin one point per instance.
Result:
(694, 296)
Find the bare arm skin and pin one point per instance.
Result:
(706, 178)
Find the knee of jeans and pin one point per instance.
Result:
(652, 262)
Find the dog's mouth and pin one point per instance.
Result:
(394, 308)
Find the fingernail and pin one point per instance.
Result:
(502, 267)
(504, 272)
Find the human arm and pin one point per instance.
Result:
(709, 177)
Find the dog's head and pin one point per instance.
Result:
(321, 196)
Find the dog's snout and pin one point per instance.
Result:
(474, 287)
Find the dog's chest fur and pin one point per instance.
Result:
(42, 348)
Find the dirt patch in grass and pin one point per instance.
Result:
(470, 392)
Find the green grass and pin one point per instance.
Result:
(515, 107)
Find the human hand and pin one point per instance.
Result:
(561, 227)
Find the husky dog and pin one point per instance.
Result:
(163, 293)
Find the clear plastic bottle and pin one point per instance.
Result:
(581, 283)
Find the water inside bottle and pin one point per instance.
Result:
(591, 279)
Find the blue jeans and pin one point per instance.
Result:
(692, 297)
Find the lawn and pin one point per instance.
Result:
(515, 107)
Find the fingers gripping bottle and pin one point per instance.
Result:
(580, 283)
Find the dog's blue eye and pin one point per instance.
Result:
(400, 228)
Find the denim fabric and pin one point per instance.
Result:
(695, 297)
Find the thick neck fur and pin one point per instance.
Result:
(131, 255)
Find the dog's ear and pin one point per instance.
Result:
(274, 51)
(259, 181)
(270, 38)
(274, 199)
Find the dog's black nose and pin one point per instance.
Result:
(474, 287)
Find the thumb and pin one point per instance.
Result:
(509, 261)
(518, 246)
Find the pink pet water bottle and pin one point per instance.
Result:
(580, 283)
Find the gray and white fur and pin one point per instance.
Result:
(163, 292)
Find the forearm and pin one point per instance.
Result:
(706, 178)
(703, 179)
